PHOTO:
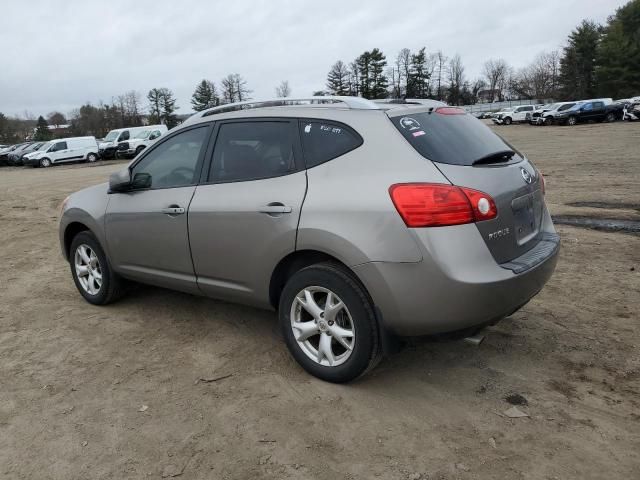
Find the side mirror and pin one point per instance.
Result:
(120, 181)
(141, 180)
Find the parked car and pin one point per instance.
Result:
(631, 111)
(73, 149)
(255, 204)
(141, 140)
(547, 117)
(4, 153)
(16, 158)
(518, 114)
(109, 146)
(13, 157)
(587, 111)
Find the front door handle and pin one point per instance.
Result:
(275, 208)
(173, 210)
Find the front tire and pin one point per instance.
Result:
(610, 118)
(328, 323)
(507, 121)
(91, 271)
(571, 121)
(45, 162)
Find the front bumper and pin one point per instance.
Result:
(458, 284)
(497, 121)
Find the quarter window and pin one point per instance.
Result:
(173, 163)
(253, 150)
(324, 141)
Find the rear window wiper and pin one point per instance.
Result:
(495, 157)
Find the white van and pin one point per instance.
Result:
(144, 138)
(109, 144)
(73, 149)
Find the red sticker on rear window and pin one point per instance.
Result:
(418, 133)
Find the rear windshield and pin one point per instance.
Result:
(458, 139)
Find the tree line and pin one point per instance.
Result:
(597, 61)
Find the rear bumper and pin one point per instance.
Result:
(458, 284)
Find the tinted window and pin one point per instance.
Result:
(566, 107)
(252, 150)
(458, 139)
(124, 136)
(527, 109)
(598, 104)
(60, 146)
(324, 141)
(587, 107)
(173, 162)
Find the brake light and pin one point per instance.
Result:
(450, 111)
(438, 205)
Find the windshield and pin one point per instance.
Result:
(113, 134)
(551, 106)
(43, 147)
(566, 106)
(508, 109)
(453, 138)
(143, 134)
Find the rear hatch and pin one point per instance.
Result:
(469, 154)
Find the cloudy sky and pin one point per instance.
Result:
(58, 55)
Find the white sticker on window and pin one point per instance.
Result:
(307, 128)
(409, 123)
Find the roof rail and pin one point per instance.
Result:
(353, 103)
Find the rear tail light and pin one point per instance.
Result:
(438, 205)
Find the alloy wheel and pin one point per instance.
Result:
(88, 269)
(322, 326)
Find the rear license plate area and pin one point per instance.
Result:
(527, 215)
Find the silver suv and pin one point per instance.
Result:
(359, 222)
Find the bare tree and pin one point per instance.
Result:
(440, 64)
(283, 90)
(539, 79)
(456, 80)
(56, 118)
(496, 72)
(234, 89)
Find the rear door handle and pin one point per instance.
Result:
(173, 210)
(275, 208)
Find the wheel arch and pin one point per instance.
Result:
(296, 261)
(70, 232)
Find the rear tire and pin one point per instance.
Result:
(138, 150)
(92, 157)
(610, 118)
(340, 341)
(94, 278)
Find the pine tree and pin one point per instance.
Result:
(168, 108)
(418, 77)
(42, 130)
(162, 107)
(373, 81)
(155, 105)
(205, 96)
(338, 79)
(618, 56)
(577, 66)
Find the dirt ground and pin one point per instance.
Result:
(117, 392)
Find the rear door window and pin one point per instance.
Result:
(449, 135)
(253, 150)
(324, 141)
